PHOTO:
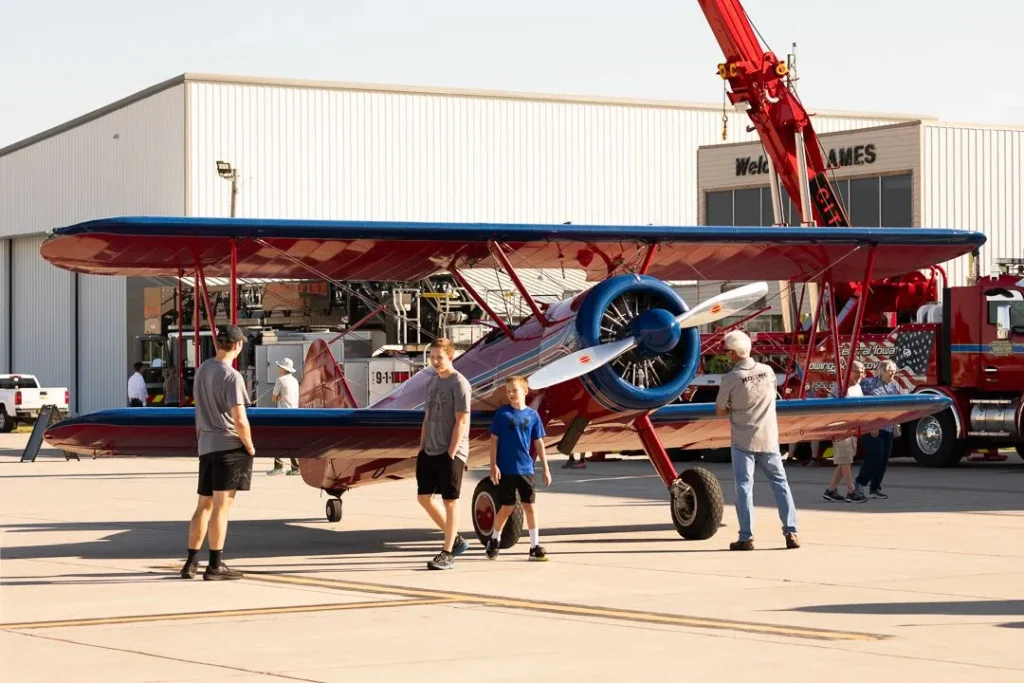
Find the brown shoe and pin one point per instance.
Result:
(792, 541)
(742, 545)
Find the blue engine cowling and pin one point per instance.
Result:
(645, 378)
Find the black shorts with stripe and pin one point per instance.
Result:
(224, 471)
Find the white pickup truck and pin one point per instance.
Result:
(21, 398)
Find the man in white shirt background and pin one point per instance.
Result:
(137, 393)
(286, 395)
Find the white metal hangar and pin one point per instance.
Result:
(321, 150)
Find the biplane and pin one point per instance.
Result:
(606, 366)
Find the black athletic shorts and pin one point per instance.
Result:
(224, 471)
(439, 474)
(525, 484)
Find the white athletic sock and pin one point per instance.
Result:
(534, 537)
(496, 535)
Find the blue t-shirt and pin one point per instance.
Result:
(516, 431)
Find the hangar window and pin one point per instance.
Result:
(874, 201)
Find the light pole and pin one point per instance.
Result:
(224, 170)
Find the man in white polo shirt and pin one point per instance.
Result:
(747, 396)
(286, 395)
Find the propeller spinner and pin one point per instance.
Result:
(655, 331)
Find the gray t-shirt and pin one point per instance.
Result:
(445, 397)
(218, 387)
(749, 390)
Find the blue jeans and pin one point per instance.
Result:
(877, 450)
(771, 465)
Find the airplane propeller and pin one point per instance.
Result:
(656, 331)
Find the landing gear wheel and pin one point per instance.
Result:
(696, 504)
(334, 510)
(485, 511)
(932, 440)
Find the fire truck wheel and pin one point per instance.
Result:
(696, 504)
(932, 440)
(485, 510)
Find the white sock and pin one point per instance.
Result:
(496, 535)
(534, 537)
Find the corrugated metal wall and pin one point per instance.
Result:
(331, 153)
(5, 303)
(972, 179)
(43, 304)
(130, 160)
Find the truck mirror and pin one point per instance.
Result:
(1002, 321)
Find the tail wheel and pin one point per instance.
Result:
(696, 504)
(334, 510)
(485, 511)
(932, 440)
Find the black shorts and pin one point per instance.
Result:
(224, 471)
(509, 484)
(439, 474)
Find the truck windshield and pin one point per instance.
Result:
(18, 383)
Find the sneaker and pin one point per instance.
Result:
(492, 548)
(276, 470)
(878, 494)
(833, 495)
(459, 545)
(792, 541)
(443, 560)
(742, 545)
(221, 573)
(855, 496)
(189, 570)
(292, 471)
(538, 554)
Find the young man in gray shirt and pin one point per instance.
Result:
(444, 450)
(225, 452)
(747, 396)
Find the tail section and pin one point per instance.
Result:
(323, 381)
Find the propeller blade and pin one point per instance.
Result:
(723, 305)
(579, 363)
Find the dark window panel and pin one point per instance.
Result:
(719, 208)
(864, 203)
(897, 202)
(747, 207)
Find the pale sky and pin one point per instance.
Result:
(956, 61)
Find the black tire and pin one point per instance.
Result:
(334, 510)
(1020, 451)
(932, 441)
(7, 424)
(696, 504)
(718, 455)
(485, 510)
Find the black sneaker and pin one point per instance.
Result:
(459, 545)
(832, 494)
(189, 570)
(742, 545)
(492, 548)
(856, 496)
(443, 560)
(538, 554)
(878, 494)
(221, 573)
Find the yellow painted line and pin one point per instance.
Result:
(178, 616)
(569, 609)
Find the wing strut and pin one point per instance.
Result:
(499, 253)
(481, 302)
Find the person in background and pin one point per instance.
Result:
(878, 444)
(137, 393)
(845, 450)
(286, 395)
(171, 395)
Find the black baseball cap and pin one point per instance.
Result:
(229, 333)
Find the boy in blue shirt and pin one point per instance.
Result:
(514, 430)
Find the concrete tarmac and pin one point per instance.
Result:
(924, 586)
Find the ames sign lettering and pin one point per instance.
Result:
(842, 156)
